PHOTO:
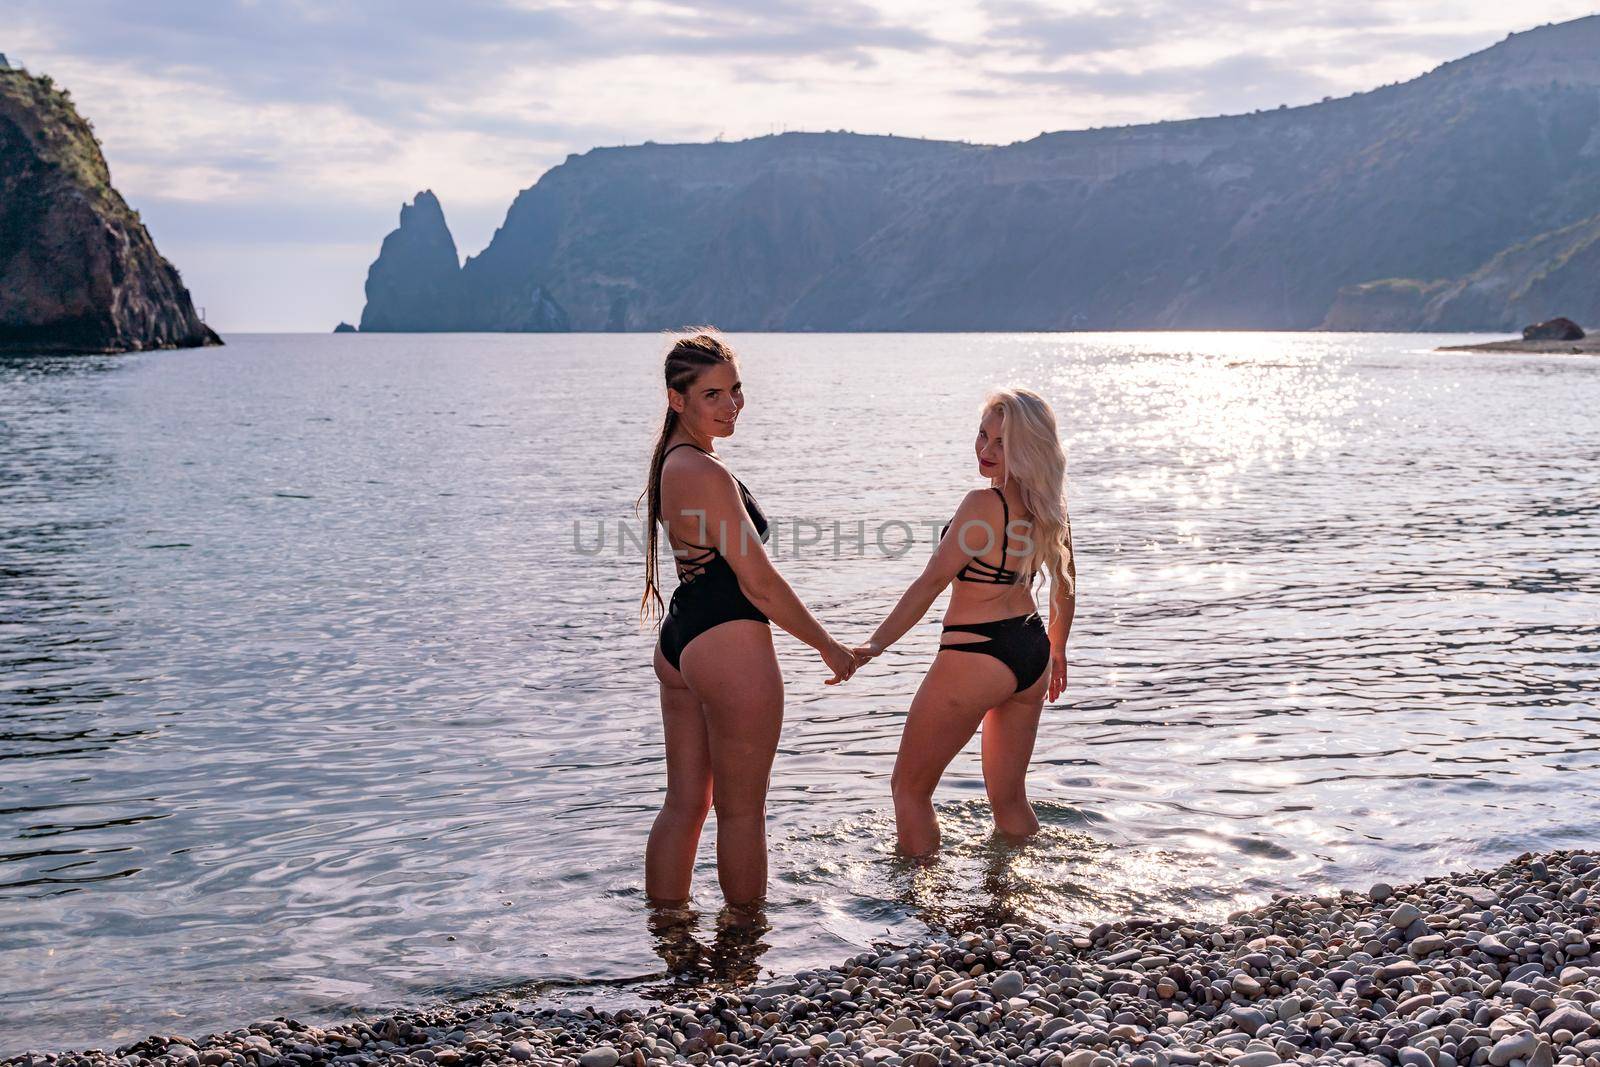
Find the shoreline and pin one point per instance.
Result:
(1589, 345)
(1498, 967)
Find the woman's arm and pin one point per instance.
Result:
(723, 522)
(949, 556)
(1063, 604)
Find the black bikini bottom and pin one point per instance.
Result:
(1019, 642)
(711, 599)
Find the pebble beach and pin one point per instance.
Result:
(1498, 967)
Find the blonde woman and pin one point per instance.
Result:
(997, 661)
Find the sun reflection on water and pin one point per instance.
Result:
(1330, 629)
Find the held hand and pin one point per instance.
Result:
(1058, 675)
(865, 653)
(840, 660)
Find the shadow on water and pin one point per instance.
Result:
(21, 367)
(693, 964)
(731, 959)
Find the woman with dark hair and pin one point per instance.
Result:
(721, 690)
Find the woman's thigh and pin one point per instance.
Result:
(958, 691)
(683, 723)
(1009, 732)
(733, 670)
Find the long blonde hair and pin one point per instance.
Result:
(1037, 463)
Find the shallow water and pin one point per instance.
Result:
(311, 702)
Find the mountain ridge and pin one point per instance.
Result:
(1258, 221)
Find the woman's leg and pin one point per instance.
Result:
(1009, 731)
(734, 670)
(949, 705)
(675, 835)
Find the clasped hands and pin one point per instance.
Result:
(844, 662)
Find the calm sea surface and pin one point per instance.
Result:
(311, 702)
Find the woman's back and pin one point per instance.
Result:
(989, 587)
(683, 509)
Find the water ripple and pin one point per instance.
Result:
(309, 704)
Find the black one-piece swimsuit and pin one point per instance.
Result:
(1020, 642)
(708, 592)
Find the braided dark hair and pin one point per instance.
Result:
(689, 357)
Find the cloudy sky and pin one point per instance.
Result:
(269, 143)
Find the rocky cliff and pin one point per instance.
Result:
(78, 271)
(415, 284)
(1552, 272)
(1252, 221)
(632, 238)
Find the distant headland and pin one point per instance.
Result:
(1465, 199)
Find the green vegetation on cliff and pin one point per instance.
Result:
(1533, 280)
(78, 270)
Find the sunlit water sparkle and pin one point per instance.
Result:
(309, 703)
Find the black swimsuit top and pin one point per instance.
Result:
(976, 569)
(692, 567)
